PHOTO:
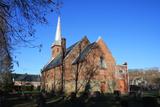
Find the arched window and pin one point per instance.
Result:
(102, 63)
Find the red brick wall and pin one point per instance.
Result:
(100, 79)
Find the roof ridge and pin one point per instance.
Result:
(77, 44)
(58, 61)
(85, 49)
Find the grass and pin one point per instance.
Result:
(108, 100)
(151, 93)
(27, 92)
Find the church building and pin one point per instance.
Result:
(84, 66)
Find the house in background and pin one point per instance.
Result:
(83, 65)
(122, 78)
(25, 81)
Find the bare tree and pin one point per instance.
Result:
(63, 43)
(20, 16)
(78, 68)
(17, 21)
(6, 82)
(86, 69)
(5, 58)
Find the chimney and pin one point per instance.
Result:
(125, 63)
(63, 44)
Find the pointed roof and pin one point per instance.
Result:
(84, 52)
(57, 60)
(58, 33)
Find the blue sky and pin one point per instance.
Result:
(130, 28)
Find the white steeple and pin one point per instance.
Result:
(58, 33)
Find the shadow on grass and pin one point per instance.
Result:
(85, 100)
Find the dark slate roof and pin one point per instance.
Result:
(84, 52)
(26, 77)
(71, 47)
(54, 63)
(58, 60)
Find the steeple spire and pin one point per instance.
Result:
(58, 33)
(57, 45)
